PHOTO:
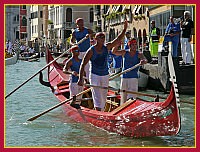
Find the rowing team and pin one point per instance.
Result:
(97, 54)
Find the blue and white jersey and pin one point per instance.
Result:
(75, 67)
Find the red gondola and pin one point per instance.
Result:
(136, 118)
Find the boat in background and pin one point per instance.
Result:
(30, 58)
(135, 118)
(11, 60)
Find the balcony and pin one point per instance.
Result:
(118, 18)
(23, 29)
(50, 27)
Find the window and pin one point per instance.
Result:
(34, 15)
(134, 32)
(23, 6)
(97, 10)
(18, 17)
(144, 36)
(32, 29)
(41, 14)
(91, 15)
(69, 15)
(23, 35)
(140, 37)
(162, 21)
(24, 21)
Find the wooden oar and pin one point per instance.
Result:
(125, 71)
(46, 111)
(70, 72)
(43, 68)
(119, 90)
(58, 105)
(134, 92)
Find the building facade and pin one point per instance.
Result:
(23, 24)
(62, 21)
(111, 19)
(12, 19)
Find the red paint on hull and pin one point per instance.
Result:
(137, 119)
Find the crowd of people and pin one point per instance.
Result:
(177, 32)
(24, 51)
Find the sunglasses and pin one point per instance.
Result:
(101, 36)
(76, 51)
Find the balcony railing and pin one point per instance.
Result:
(50, 27)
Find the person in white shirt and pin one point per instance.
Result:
(22, 48)
(9, 47)
(31, 51)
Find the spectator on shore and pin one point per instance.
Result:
(187, 26)
(154, 39)
(172, 33)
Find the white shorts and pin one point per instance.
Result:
(129, 84)
(99, 95)
(75, 89)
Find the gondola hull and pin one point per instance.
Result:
(135, 118)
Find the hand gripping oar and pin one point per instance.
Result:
(70, 72)
(44, 68)
(133, 92)
(120, 90)
(46, 111)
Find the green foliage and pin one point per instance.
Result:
(50, 22)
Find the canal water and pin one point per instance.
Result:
(55, 129)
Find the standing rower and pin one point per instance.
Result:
(99, 75)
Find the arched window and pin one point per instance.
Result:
(140, 37)
(24, 21)
(144, 36)
(69, 15)
(134, 33)
(91, 15)
(111, 34)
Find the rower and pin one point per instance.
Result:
(74, 64)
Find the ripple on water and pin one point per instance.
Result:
(56, 129)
